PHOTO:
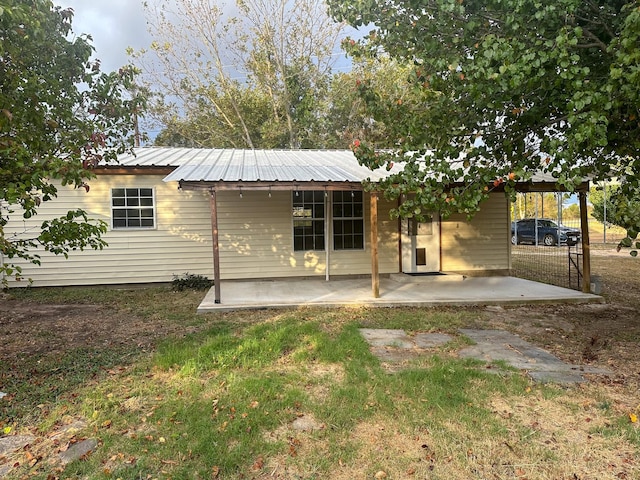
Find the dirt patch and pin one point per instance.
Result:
(30, 329)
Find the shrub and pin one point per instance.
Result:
(190, 281)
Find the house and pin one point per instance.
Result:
(252, 214)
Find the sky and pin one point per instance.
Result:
(114, 26)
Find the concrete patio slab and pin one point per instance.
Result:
(397, 290)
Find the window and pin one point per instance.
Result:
(348, 221)
(132, 208)
(308, 220)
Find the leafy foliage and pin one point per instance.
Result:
(253, 79)
(59, 116)
(498, 90)
(621, 210)
(190, 281)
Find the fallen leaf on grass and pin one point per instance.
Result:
(633, 417)
(215, 471)
(292, 451)
(258, 464)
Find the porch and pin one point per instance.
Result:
(395, 290)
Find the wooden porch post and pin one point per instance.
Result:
(586, 250)
(216, 246)
(375, 274)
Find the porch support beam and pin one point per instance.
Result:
(272, 186)
(375, 274)
(586, 249)
(216, 245)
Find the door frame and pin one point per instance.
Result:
(420, 253)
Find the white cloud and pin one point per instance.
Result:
(113, 25)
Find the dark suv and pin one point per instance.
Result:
(549, 232)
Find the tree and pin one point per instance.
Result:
(621, 210)
(501, 89)
(59, 116)
(572, 212)
(257, 74)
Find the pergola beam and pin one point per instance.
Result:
(272, 186)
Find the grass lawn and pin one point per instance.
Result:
(169, 394)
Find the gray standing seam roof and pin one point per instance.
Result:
(233, 165)
(230, 165)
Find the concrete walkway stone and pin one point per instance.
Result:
(78, 450)
(394, 347)
(498, 345)
(382, 337)
(14, 442)
(10, 445)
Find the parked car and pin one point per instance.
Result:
(549, 232)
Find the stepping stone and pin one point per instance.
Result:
(431, 340)
(14, 443)
(393, 355)
(495, 345)
(306, 423)
(78, 450)
(384, 337)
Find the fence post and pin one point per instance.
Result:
(586, 255)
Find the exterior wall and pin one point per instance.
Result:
(256, 240)
(180, 242)
(481, 245)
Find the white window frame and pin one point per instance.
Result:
(299, 195)
(342, 218)
(139, 207)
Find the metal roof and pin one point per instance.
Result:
(232, 165)
(229, 165)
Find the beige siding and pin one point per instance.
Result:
(479, 245)
(181, 241)
(256, 240)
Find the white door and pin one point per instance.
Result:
(421, 245)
